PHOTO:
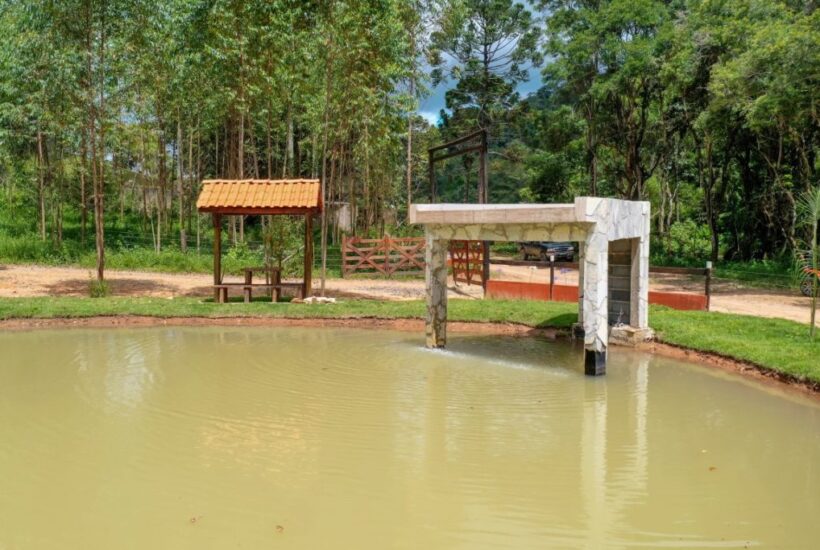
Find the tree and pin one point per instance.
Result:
(416, 15)
(486, 46)
(770, 85)
(607, 54)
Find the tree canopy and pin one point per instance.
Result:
(113, 111)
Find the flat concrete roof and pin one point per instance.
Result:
(493, 213)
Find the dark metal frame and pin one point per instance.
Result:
(475, 142)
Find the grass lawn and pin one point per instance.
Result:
(775, 344)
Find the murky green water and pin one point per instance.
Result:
(190, 438)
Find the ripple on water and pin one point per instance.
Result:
(368, 439)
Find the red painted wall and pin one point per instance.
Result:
(678, 300)
(515, 290)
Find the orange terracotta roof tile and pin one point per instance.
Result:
(260, 196)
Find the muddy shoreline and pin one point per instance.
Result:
(741, 368)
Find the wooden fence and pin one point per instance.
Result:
(467, 261)
(388, 256)
(405, 256)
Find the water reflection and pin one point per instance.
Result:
(365, 439)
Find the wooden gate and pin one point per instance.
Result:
(388, 256)
(467, 261)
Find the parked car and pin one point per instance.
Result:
(563, 252)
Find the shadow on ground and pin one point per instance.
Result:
(117, 287)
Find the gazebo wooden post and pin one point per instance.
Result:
(217, 218)
(307, 283)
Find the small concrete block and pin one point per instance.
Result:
(625, 335)
(594, 362)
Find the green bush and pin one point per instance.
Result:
(687, 242)
(98, 289)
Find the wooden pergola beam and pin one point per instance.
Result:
(456, 141)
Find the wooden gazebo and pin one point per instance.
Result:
(297, 197)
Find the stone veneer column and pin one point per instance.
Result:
(581, 260)
(639, 316)
(435, 278)
(596, 288)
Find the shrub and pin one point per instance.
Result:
(687, 242)
(97, 289)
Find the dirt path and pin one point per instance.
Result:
(31, 280)
(26, 280)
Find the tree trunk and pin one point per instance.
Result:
(183, 241)
(190, 196)
(99, 192)
(409, 160)
(269, 141)
(592, 149)
(240, 159)
(287, 166)
(328, 87)
(254, 152)
(41, 185)
(83, 197)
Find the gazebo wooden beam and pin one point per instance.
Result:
(307, 282)
(217, 219)
(239, 210)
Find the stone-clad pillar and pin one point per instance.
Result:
(639, 316)
(581, 260)
(596, 288)
(435, 278)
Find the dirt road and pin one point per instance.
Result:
(25, 280)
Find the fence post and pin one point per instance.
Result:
(552, 274)
(386, 245)
(708, 285)
(485, 264)
(343, 256)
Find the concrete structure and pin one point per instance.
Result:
(592, 222)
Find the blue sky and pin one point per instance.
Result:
(431, 105)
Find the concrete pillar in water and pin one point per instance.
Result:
(595, 291)
(435, 278)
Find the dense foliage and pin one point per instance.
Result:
(113, 111)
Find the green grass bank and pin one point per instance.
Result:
(774, 344)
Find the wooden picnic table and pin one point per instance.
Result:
(273, 282)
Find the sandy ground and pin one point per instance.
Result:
(26, 280)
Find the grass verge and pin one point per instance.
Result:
(774, 344)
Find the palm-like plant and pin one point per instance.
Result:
(808, 210)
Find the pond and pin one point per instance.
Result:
(217, 437)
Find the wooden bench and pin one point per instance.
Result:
(275, 286)
(248, 289)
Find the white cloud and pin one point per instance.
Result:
(430, 116)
